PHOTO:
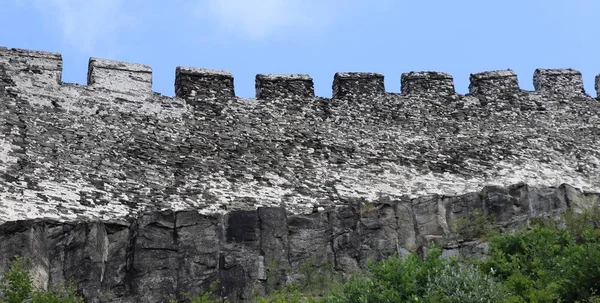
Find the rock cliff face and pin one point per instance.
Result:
(135, 196)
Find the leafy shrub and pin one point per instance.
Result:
(414, 279)
(464, 284)
(549, 263)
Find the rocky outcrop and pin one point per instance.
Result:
(134, 195)
(159, 255)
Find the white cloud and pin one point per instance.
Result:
(87, 24)
(258, 19)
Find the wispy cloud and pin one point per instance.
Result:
(258, 19)
(87, 24)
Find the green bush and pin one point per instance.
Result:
(549, 263)
(433, 279)
(464, 284)
(19, 288)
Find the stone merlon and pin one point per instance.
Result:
(35, 68)
(597, 85)
(494, 83)
(357, 85)
(297, 86)
(119, 76)
(199, 83)
(558, 81)
(428, 83)
(44, 69)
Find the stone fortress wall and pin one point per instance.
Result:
(132, 194)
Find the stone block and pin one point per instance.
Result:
(494, 83)
(294, 86)
(562, 81)
(119, 76)
(430, 84)
(199, 83)
(357, 85)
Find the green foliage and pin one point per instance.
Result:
(464, 284)
(476, 225)
(414, 279)
(19, 285)
(19, 288)
(548, 263)
(205, 296)
(63, 294)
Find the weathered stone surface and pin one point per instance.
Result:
(357, 86)
(197, 83)
(137, 197)
(597, 86)
(430, 219)
(33, 68)
(155, 262)
(505, 204)
(294, 86)
(73, 151)
(274, 247)
(567, 81)
(120, 76)
(427, 84)
(378, 231)
(494, 83)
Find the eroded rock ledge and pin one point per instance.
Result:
(159, 254)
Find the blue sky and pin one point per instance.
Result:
(316, 37)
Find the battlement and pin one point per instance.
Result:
(44, 69)
(297, 86)
(196, 83)
(597, 86)
(357, 85)
(35, 68)
(119, 76)
(558, 80)
(427, 83)
(494, 83)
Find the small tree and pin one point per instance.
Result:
(19, 285)
(19, 288)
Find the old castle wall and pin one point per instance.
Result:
(132, 194)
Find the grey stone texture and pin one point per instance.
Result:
(597, 86)
(119, 76)
(135, 196)
(494, 83)
(294, 86)
(196, 83)
(427, 84)
(562, 81)
(353, 85)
